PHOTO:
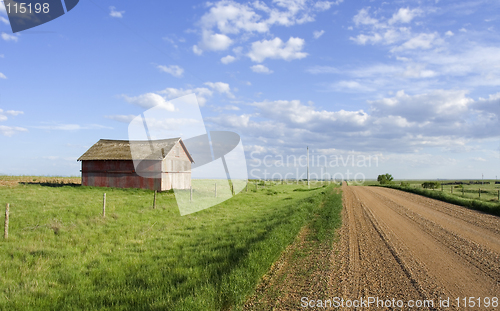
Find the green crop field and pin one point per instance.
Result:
(62, 254)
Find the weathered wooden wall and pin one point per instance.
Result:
(120, 174)
(174, 171)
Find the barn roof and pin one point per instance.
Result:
(108, 149)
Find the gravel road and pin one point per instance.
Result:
(407, 247)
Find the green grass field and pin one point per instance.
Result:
(62, 254)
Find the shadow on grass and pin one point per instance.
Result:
(50, 184)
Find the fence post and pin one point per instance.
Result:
(6, 230)
(479, 192)
(232, 189)
(154, 201)
(104, 205)
(451, 188)
(215, 189)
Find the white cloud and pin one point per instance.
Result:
(295, 112)
(390, 32)
(402, 123)
(421, 41)
(277, 49)
(4, 114)
(465, 67)
(318, 33)
(114, 13)
(214, 42)
(11, 130)
(122, 118)
(2, 76)
(227, 18)
(12, 112)
(462, 30)
(241, 121)
(379, 77)
(202, 93)
(150, 100)
(8, 37)
(490, 105)
(4, 20)
(227, 59)
(350, 85)
(418, 71)
(363, 18)
(220, 87)
(174, 70)
(404, 15)
(197, 50)
(363, 39)
(230, 17)
(326, 5)
(476, 61)
(261, 69)
(437, 105)
(470, 62)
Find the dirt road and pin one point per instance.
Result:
(400, 245)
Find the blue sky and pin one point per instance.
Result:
(414, 84)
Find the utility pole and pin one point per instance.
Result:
(307, 166)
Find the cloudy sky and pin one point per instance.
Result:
(412, 84)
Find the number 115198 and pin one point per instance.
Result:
(27, 8)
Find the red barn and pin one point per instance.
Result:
(160, 164)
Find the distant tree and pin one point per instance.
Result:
(385, 179)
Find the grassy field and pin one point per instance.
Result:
(476, 196)
(63, 255)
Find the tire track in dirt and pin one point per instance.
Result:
(462, 237)
(376, 269)
(403, 246)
